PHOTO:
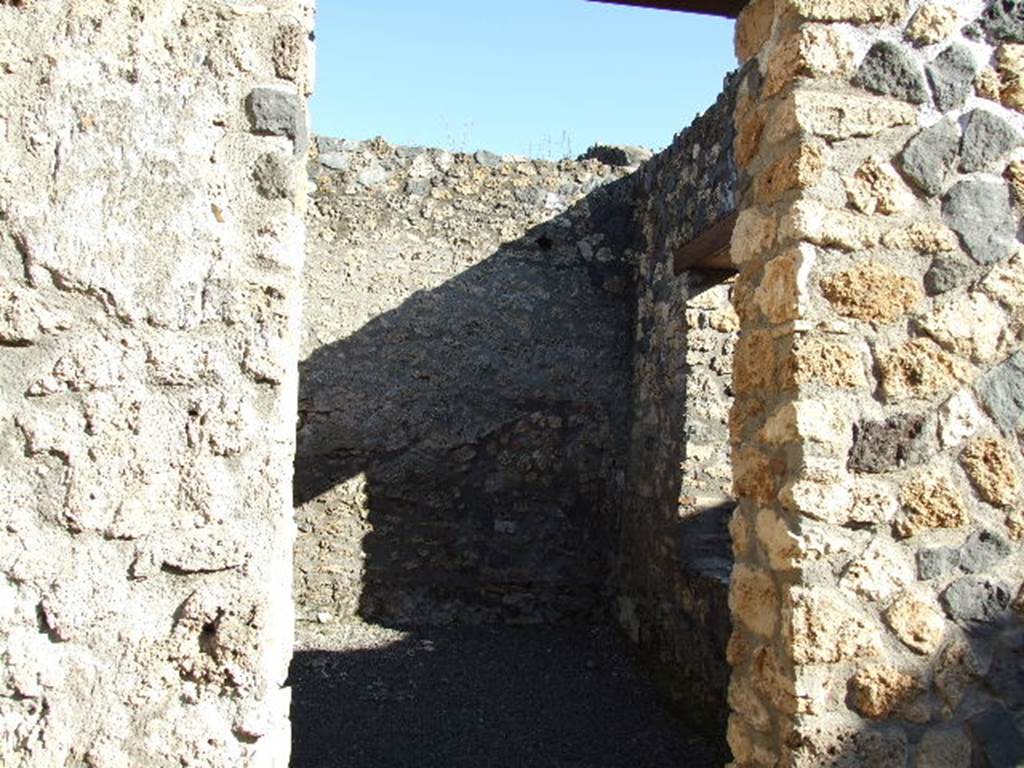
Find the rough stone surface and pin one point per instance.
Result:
(858, 11)
(973, 327)
(871, 292)
(975, 601)
(271, 174)
(620, 156)
(279, 112)
(754, 598)
(1015, 175)
(876, 188)
(931, 501)
(951, 77)
(460, 418)
(825, 629)
(825, 362)
(813, 50)
(812, 221)
(1002, 393)
(932, 23)
(959, 418)
(919, 625)
(1003, 20)
(987, 138)
(874, 511)
(880, 572)
(981, 212)
(890, 70)
(878, 691)
(835, 115)
(674, 551)
(488, 159)
(798, 169)
(993, 471)
(938, 562)
(899, 441)
(1009, 88)
(946, 273)
(1005, 284)
(920, 368)
(922, 237)
(982, 551)
(929, 158)
(754, 27)
(148, 313)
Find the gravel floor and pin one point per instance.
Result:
(486, 697)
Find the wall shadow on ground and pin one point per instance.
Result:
(488, 417)
(503, 697)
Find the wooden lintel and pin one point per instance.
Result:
(728, 8)
(709, 250)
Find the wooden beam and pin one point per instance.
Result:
(709, 250)
(728, 8)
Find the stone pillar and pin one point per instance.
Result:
(879, 384)
(152, 189)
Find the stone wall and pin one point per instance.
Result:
(148, 309)
(511, 408)
(879, 410)
(463, 406)
(674, 555)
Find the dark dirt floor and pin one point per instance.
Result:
(486, 697)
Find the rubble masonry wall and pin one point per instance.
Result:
(877, 427)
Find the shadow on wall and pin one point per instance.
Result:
(459, 457)
(962, 707)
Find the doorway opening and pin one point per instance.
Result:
(511, 476)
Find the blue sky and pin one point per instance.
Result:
(544, 78)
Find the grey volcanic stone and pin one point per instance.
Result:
(938, 562)
(326, 144)
(981, 212)
(947, 272)
(975, 600)
(998, 738)
(982, 551)
(275, 112)
(622, 156)
(272, 177)
(951, 77)
(406, 152)
(879, 446)
(336, 161)
(1002, 393)
(929, 157)
(888, 69)
(417, 186)
(489, 159)
(987, 137)
(1002, 21)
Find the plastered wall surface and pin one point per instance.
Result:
(151, 239)
(876, 432)
(464, 378)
